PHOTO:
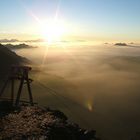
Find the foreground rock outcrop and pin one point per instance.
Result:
(27, 123)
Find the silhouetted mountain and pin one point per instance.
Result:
(16, 40)
(8, 40)
(19, 46)
(121, 44)
(8, 58)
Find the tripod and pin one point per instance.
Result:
(19, 73)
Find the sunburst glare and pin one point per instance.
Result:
(52, 30)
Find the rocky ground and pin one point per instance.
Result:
(36, 123)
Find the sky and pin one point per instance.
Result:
(90, 19)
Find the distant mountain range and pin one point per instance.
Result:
(121, 44)
(19, 46)
(16, 40)
(8, 58)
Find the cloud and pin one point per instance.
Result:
(36, 40)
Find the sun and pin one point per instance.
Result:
(52, 30)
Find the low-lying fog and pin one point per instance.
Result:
(96, 86)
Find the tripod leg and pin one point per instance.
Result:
(12, 91)
(29, 90)
(19, 91)
(3, 88)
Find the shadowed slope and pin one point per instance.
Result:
(8, 58)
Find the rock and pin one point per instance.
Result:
(89, 134)
(38, 123)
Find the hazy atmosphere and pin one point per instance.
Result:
(85, 59)
(99, 85)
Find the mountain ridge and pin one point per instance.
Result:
(9, 58)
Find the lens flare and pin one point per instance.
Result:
(89, 106)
